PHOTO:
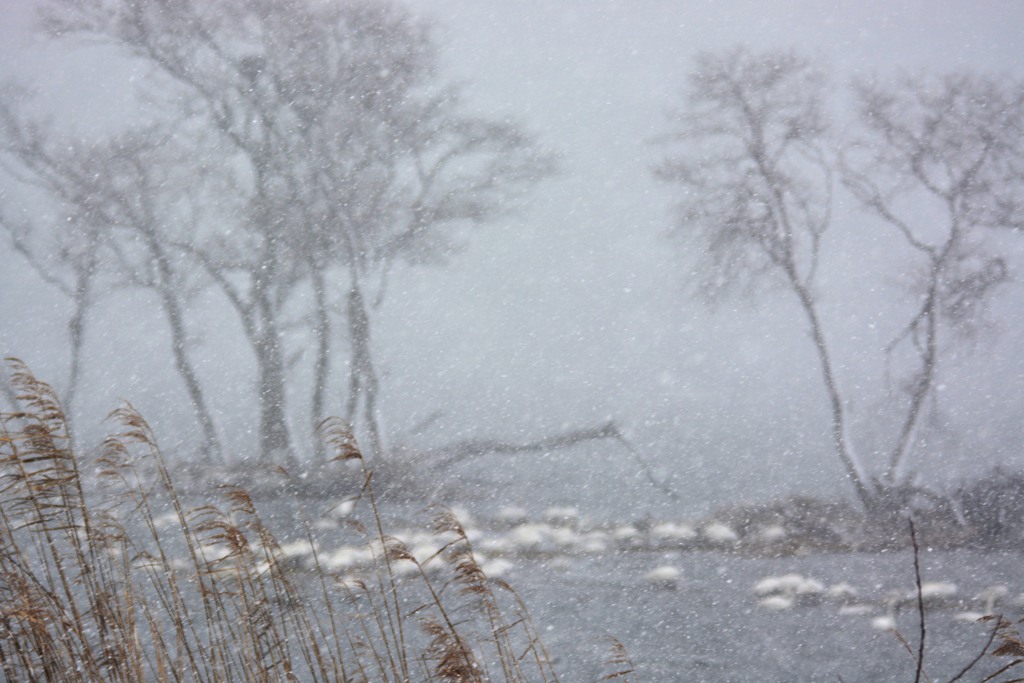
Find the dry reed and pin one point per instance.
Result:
(96, 585)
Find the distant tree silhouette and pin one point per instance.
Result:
(755, 172)
(335, 151)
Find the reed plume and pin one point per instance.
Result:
(117, 577)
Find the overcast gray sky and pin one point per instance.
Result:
(572, 309)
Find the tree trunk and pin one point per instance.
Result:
(275, 440)
(82, 300)
(321, 370)
(363, 384)
(840, 439)
(211, 443)
(179, 338)
(921, 388)
(166, 288)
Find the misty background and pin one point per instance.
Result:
(576, 308)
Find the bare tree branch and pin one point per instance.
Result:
(953, 142)
(757, 193)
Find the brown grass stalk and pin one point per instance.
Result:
(95, 585)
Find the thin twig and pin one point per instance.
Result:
(1002, 670)
(920, 600)
(973, 662)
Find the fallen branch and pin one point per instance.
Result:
(472, 448)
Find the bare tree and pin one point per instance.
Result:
(756, 187)
(69, 257)
(939, 160)
(448, 170)
(329, 120)
(71, 269)
(121, 221)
